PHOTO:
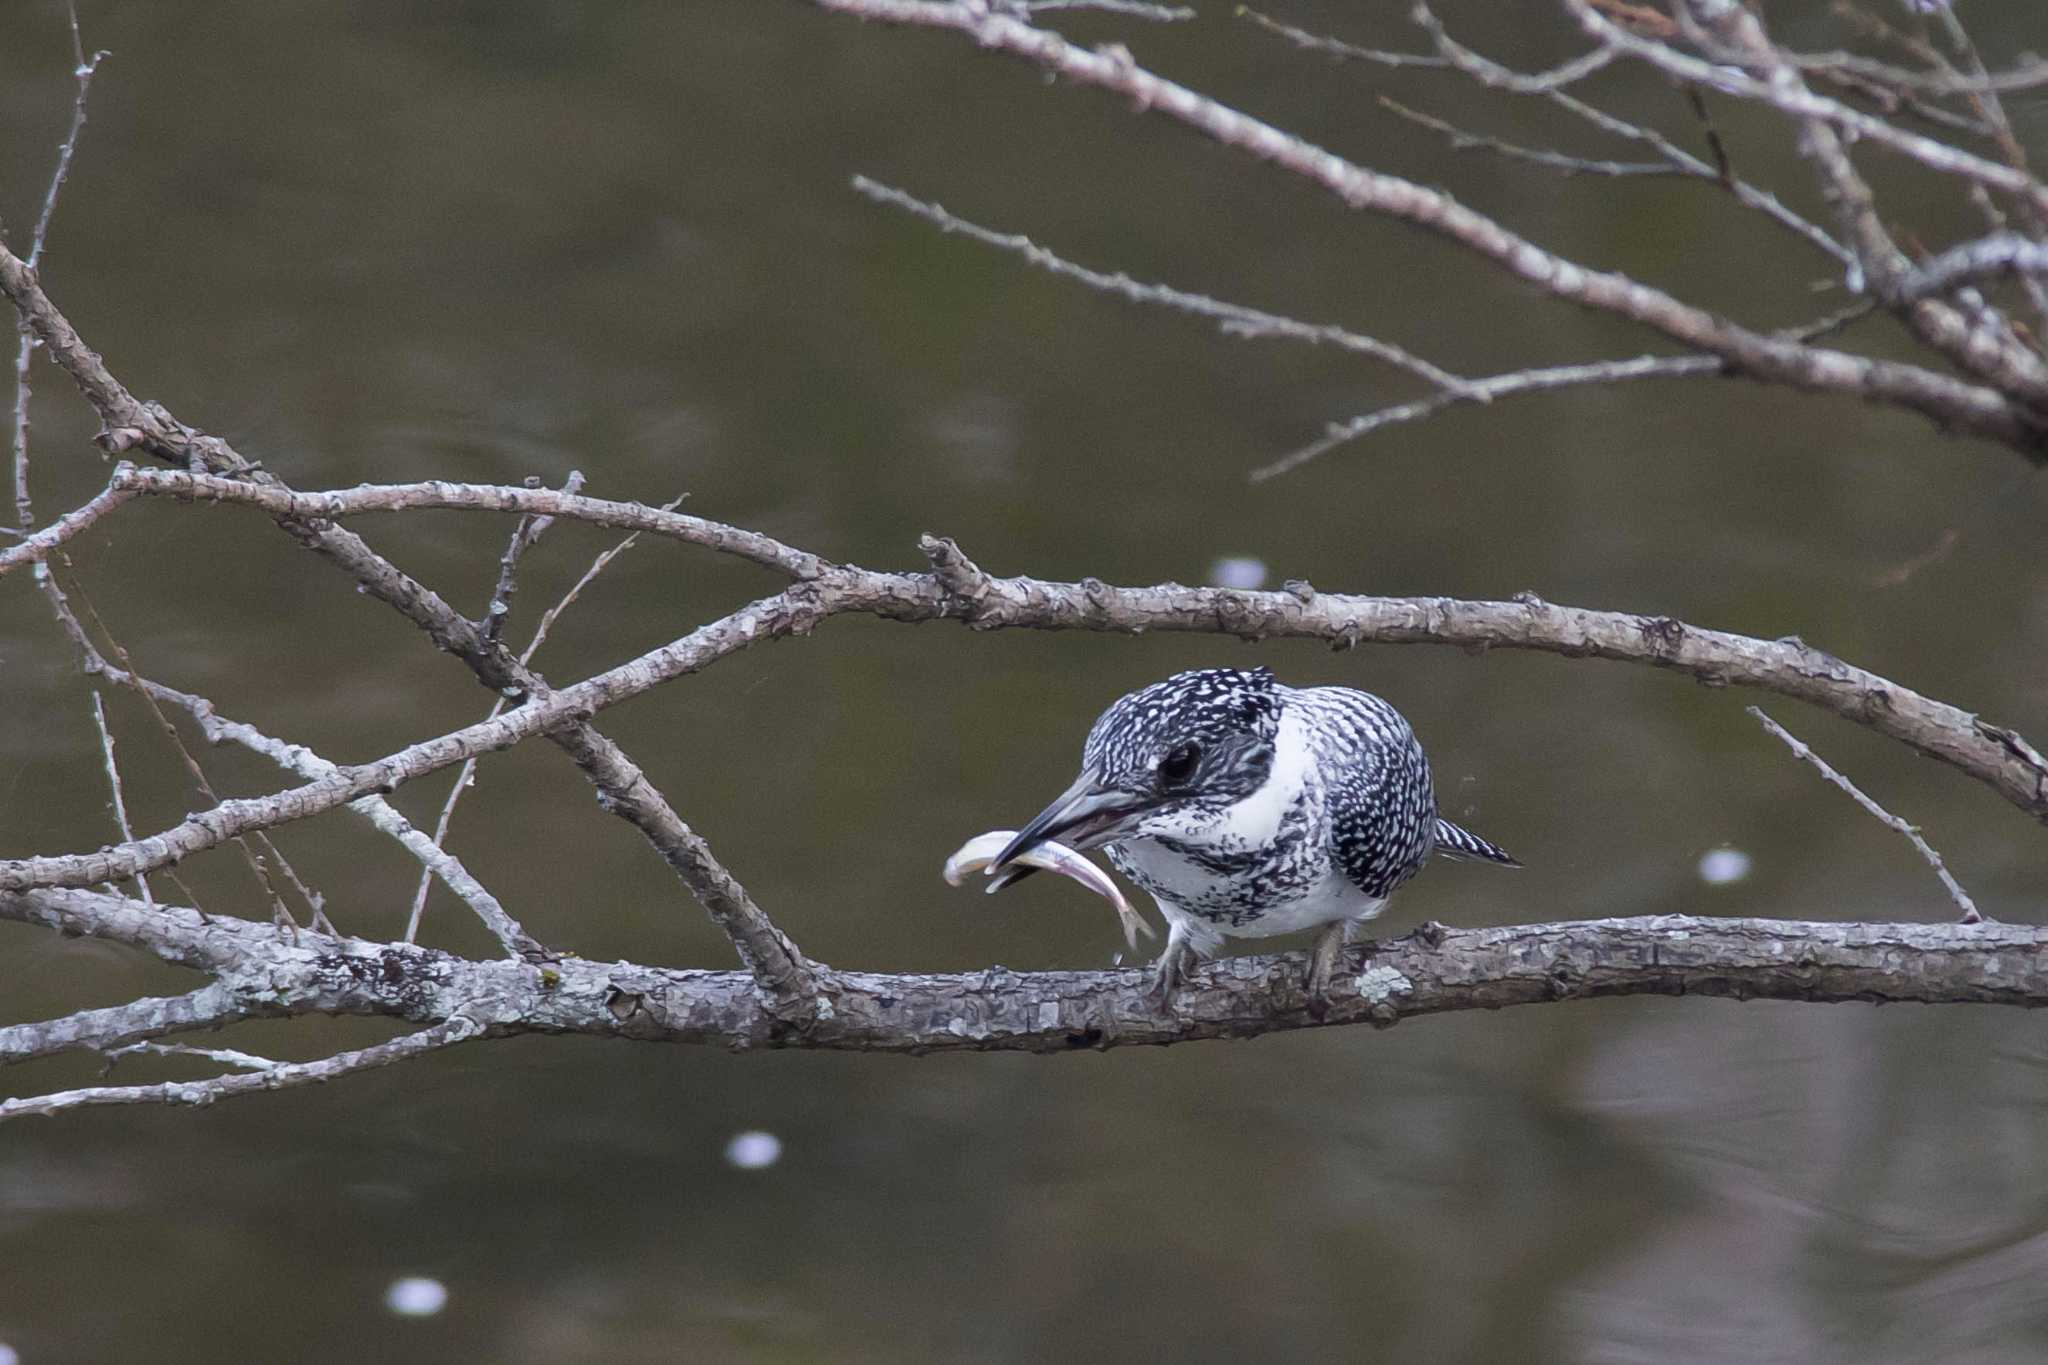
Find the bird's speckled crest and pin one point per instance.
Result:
(1226, 718)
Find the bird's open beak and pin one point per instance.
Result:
(1086, 815)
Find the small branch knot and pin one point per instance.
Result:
(962, 579)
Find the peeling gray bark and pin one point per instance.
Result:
(1433, 970)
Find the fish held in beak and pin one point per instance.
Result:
(981, 852)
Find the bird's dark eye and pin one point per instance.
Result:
(1179, 764)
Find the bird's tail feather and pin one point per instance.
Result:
(1464, 845)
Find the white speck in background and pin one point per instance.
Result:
(8, 1355)
(416, 1296)
(1719, 866)
(754, 1150)
(1238, 571)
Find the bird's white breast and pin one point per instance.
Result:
(1286, 815)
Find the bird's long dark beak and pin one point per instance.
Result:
(1085, 815)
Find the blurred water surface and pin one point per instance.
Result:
(490, 241)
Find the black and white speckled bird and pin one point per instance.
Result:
(1249, 808)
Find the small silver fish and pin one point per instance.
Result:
(977, 853)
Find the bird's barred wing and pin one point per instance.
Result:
(1382, 814)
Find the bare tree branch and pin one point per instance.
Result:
(1336, 47)
(1996, 756)
(279, 1076)
(1801, 751)
(83, 71)
(623, 789)
(1497, 77)
(99, 720)
(2001, 253)
(1983, 346)
(529, 530)
(1234, 319)
(1598, 372)
(1794, 99)
(1748, 195)
(465, 778)
(783, 999)
(35, 548)
(1130, 9)
(1462, 141)
(208, 1007)
(1962, 405)
(1433, 970)
(2029, 73)
(382, 815)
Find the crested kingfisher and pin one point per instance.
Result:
(1248, 808)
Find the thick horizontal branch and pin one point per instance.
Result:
(1433, 970)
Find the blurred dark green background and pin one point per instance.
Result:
(486, 241)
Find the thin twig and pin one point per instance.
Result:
(1495, 386)
(531, 528)
(99, 719)
(1495, 76)
(465, 777)
(40, 545)
(248, 1061)
(1337, 47)
(1234, 319)
(1801, 751)
(1462, 140)
(82, 73)
(280, 1076)
(381, 814)
(1130, 9)
(2001, 253)
(1802, 103)
(1540, 380)
(1750, 196)
(257, 864)
(621, 787)
(1723, 166)
(2028, 74)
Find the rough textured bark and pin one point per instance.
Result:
(1433, 970)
